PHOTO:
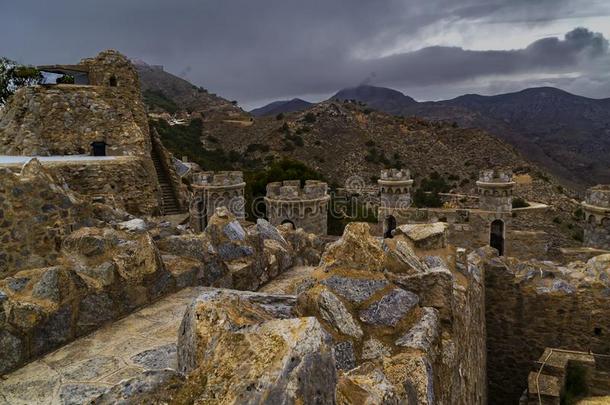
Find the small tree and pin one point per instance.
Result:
(13, 76)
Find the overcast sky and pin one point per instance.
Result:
(256, 51)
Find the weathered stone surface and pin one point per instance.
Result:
(402, 259)
(217, 311)
(367, 385)
(412, 377)
(289, 361)
(11, 351)
(390, 309)
(332, 310)
(425, 236)
(152, 386)
(354, 289)
(47, 286)
(158, 358)
(345, 359)
(268, 231)
(431, 288)
(424, 334)
(76, 394)
(373, 349)
(356, 249)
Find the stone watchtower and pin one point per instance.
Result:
(597, 215)
(395, 193)
(305, 207)
(212, 190)
(495, 189)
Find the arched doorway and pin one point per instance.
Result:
(388, 226)
(496, 236)
(287, 221)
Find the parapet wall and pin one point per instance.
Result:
(306, 207)
(222, 178)
(395, 174)
(291, 190)
(533, 305)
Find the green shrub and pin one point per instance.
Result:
(254, 147)
(279, 117)
(185, 140)
(65, 79)
(156, 99)
(310, 117)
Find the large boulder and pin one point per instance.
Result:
(243, 348)
(357, 249)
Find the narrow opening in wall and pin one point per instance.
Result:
(496, 236)
(388, 226)
(112, 82)
(287, 221)
(597, 331)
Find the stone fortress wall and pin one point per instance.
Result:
(64, 119)
(468, 227)
(212, 190)
(532, 305)
(597, 215)
(305, 207)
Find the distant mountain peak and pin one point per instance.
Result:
(281, 106)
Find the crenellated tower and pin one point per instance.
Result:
(212, 190)
(305, 207)
(395, 187)
(495, 189)
(597, 215)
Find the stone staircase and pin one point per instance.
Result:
(169, 203)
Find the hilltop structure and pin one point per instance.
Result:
(437, 311)
(93, 133)
(306, 207)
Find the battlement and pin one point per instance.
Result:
(395, 175)
(218, 179)
(494, 176)
(291, 190)
(598, 196)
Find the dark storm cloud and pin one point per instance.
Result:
(250, 50)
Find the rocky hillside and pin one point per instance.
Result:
(567, 134)
(281, 107)
(164, 92)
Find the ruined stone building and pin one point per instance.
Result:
(303, 207)
(94, 134)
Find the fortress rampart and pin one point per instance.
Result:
(304, 207)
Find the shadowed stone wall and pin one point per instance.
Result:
(533, 305)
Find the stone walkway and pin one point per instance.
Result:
(85, 368)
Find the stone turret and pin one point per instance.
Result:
(304, 207)
(216, 189)
(597, 215)
(395, 187)
(495, 189)
(395, 194)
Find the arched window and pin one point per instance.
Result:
(388, 226)
(496, 236)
